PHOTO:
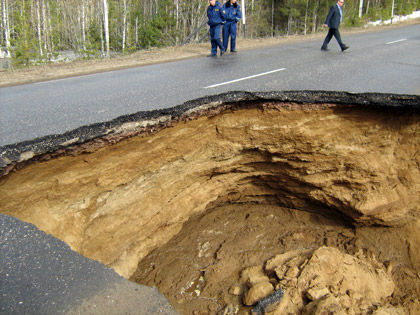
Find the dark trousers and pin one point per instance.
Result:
(215, 38)
(332, 32)
(229, 28)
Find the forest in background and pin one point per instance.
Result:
(36, 31)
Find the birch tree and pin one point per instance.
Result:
(38, 21)
(44, 25)
(124, 25)
(5, 7)
(106, 27)
(83, 23)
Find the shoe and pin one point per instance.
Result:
(211, 55)
(325, 49)
(222, 52)
(344, 47)
(233, 51)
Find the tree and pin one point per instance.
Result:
(24, 40)
(106, 27)
(5, 9)
(83, 22)
(33, 29)
(124, 25)
(38, 26)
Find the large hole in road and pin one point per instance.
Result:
(227, 200)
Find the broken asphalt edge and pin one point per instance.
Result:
(13, 154)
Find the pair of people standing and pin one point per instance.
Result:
(228, 16)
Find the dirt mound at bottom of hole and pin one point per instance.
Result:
(226, 260)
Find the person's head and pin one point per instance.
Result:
(212, 2)
(340, 2)
(232, 1)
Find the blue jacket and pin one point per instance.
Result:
(216, 15)
(233, 12)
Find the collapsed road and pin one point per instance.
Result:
(223, 200)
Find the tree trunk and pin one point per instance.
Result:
(315, 17)
(137, 31)
(83, 26)
(272, 18)
(124, 26)
(106, 27)
(6, 27)
(306, 16)
(360, 8)
(38, 15)
(44, 25)
(50, 37)
(177, 15)
(102, 41)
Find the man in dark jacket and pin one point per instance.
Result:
(333, 20)
(216, 16)
(233, 16)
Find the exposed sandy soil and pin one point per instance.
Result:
(201, 270)
(81, 67)
(207, 209)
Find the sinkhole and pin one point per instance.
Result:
(225, 200)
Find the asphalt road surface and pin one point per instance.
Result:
(40, 274)
(386, 61)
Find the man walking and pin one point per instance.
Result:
(333, 20)
(233, 16)
(216, 16)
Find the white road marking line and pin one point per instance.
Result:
(245, 78)
(396, 41)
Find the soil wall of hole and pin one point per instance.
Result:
(187, 198)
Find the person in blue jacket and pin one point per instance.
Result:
(216, 16)
(233, 16)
